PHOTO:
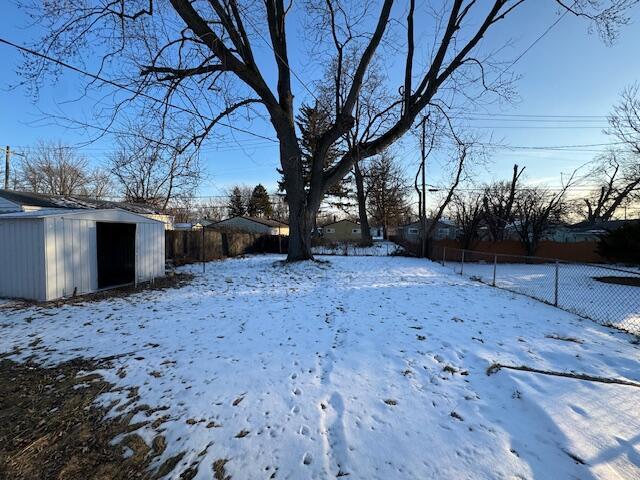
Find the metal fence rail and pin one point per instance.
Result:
(605, 294)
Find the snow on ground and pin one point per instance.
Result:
(578, 291)
(379, 248)
(369, 366)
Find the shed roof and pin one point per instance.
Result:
(72, 202)
(111, 214)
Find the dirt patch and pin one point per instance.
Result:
(628, 281)
(50, 427)
(175, 280)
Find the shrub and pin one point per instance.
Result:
(622, 245)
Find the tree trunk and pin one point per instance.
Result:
(301, 212)
(365, 231)
(300, 226)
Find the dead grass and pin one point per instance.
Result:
(176, 280)
(564, 338)
(51, 428)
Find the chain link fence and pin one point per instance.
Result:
(378, 249)
(606, 294)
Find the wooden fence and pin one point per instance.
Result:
(580, 252)
(192, 246)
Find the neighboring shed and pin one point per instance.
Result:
(54, 253)
(252, 225)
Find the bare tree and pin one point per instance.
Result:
(618, 173)
(388, 192)
(536, 209)
(467, 210)
(499, 200)
(199, 57)
(147, 171)
(361, 198)
(57, 169)
(209, 210)
(459, 162)
(624, 121)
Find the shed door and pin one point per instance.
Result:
(116, 246)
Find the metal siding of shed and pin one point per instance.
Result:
(22, 259)
(71, 257)
(149, 246)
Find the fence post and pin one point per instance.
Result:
(444, 255)
(495, 266)
(462, 263)
(555, 300)
(203, 252)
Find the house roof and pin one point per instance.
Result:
(72, 202)
(262, 221)
(341, 221)
(600, 225)
(444, 223)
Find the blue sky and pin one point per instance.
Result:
(569, 72)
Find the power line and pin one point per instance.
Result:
(535, 42)
(126, 88)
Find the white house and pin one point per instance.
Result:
(53, 253)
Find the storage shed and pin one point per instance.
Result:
(54, 253)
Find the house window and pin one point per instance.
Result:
(355, 230)
(329, 230)
(413, 231)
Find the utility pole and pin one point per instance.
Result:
(423, 202)
(7, 163)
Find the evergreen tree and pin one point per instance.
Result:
(236, 205)
(259, 203)
(312, 122)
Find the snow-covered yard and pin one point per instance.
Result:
(578, 290)
(372, 367)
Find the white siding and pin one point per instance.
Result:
(22, 269)
(71, 256)
(149, 251)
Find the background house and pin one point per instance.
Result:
(592, 231)
(341, 231)
(48, 254)
(252, 225)
(12, 201)
(444, 230)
